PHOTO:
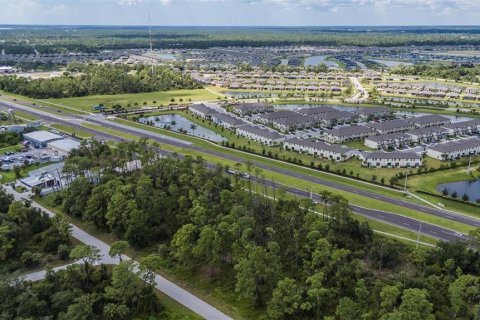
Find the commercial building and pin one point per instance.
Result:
(391, 160)
(454, 149)
(428, 120)
(391, 126)
(388, 141)
(40, 139)
(259, 134)
(63, 147)
(319, 149)
(343, 134)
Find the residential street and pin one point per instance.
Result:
(167, 287)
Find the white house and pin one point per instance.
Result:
(318, 148)
(454, 149)
(201, 110)
(262, 135)
(391, 126)
(226, 120)
(430, 134)
(391, 160)
(464, 127)
(429, 120)
(343, 134)
(390, 140)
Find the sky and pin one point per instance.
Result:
(241, 12)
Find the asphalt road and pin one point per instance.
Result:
(169, 288)
(383, 216)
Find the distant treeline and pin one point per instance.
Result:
(83, 80)
(451, 71)
(58, 39)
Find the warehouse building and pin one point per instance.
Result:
(40, 139)
(63, 147)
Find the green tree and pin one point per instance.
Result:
(286, 300)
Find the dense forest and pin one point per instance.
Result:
(29, 237)
(460, 72)
(282, 259)
(83, 292)
(88, 79)
(58, 39)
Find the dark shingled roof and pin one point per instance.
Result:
(345, 131)
(456, 145)
(398, 123)
(320, 145)
(392, 155)
(428, 119)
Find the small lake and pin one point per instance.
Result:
(471, 188)
(317, 60)
(392, 63)
(182, 123)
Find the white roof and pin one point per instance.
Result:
(66, 145)
(42, 136)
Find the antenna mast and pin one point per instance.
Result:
(150, 35)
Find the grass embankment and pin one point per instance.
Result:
(76, 132)
(300, 184)
(430, 162)
(171, 305)
(86, 103)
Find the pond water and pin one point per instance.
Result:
(167, 56)
(392, 63)
(471, 188)
(246, 94)
(452, 118)
(183, 124)
(316, 60)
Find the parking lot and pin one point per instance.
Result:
(28, 157)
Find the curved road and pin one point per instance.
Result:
(169, 288)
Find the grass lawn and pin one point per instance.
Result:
(358, 144)
(72, 131)
(428, 182)
(15, 148)
(161, 98)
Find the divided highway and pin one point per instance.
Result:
(383, 216)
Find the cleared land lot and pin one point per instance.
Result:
(160, 98)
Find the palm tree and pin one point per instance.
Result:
(173, 123)
(193, 126)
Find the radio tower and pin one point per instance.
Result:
(150, 35)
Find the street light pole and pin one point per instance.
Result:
(405, 186)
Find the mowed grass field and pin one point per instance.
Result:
(161, 98)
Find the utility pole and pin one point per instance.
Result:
(405, 186)
(418, 234)
(469, 165)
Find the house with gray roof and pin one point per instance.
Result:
(391, 126)
(379, 159)
(428, 120)
(463, 127)
(294, 123)
(427, 135)
(388, 141)
(260, 134)
(226, 121)
(454, 149)
(372, 113)
(340, 135)
(252, 108)
(201, 110)
(319, 149)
